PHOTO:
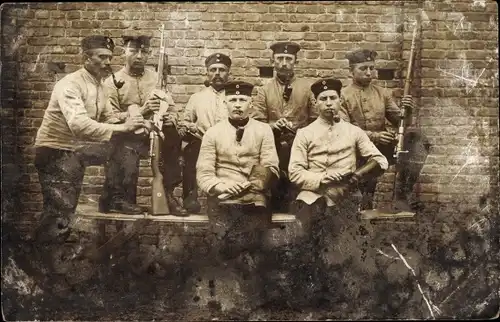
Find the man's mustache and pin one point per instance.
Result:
(217, 78)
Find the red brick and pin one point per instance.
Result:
(71, 6)
(267, 27)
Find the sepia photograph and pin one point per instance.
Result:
(250, 160)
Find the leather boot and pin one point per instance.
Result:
(191, 203)
(174, 206)
(126, 208)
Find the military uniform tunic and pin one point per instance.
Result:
(206, 108)
(320, 147)
(269, 104)
(369, 107)
(223, 160)
(77, 114)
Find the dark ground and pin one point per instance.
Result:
(454, 259)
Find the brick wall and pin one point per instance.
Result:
(458, 38)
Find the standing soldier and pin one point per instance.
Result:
(76, 131)
(236, 165)
(134, 93)
(287, 104)
(369, 106)
(203, 110)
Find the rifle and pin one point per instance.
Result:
(159, 204)
(398, 150)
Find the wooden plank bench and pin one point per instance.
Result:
(89, 211)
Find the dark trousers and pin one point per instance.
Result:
(190, 156)
(410, 165)
(283, 192)
(237, 247)
(122, 170)
(315, 280)
(237, 228)
(61, 174)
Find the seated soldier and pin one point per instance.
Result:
(203, 110)
(369, 106)
(324, 152)
(287, 104)
(323, 167)
(236, 166)
(135, 93)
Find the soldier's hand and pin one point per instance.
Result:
(281, 123)
(334, 176)
(148, 125)
(133, 123)
(354, 179)
(385, 138)
(152, 104)
(169, 119)
(236, 188)
(407, 102)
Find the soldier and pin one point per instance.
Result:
(287, 104)
(323, 166)
(203, 110)
(135, 93)
(236, 166)
(77, 130)
(369, 106)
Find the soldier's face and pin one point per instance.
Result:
(238, 106)
(283, 63)
(363, 73)
(328, 104)
(136, 57)
(99, 61)
(217, 75)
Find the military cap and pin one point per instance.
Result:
(218, 58)
(97, 41)
(360, 56)
(285, 47)
(238, 88)
(137, 41)
(325, 85)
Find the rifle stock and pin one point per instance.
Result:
(159, 204)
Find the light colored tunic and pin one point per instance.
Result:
(369, 107)
(269, 106)
(135, 90)
(320, 147)
(223, 160)
(77, 114)
(206, 108)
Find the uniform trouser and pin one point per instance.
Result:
(122, 170)
(238, 232)
(190, 156)
(321, 228)
(409, 166)
(283, 192)
(61, 174)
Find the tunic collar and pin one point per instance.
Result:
(91, 77)
(361, 87)
(325, 123)
(280, 82)
(221, 92)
